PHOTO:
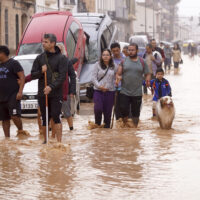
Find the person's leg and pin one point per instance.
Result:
(14, 107)
(124, 106)
(5, 118)
(70, 123)
(136, 103)
(107, 107)
(6, 127)
(98, 106)
(42, 104)
(66, 110)
(117, 107)
(154, 109)
(56, 106)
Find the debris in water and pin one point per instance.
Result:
(22, 133)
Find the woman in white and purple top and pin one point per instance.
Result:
(103, 79)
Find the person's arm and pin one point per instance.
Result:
(36, 71)
(169, 91)
(119, 75)
(21, 84)
(72, 76)
(95, 76)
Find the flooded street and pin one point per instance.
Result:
(120, 164)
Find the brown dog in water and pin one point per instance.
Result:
(165, 112)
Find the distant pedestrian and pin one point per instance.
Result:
(131, 73)
(168, 57)
(55, 65)
(118, 58)
(10, 92)
(176, 53)
(103, 78)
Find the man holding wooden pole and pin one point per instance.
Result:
(54, 66)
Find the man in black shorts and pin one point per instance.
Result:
(10, 91)
(56, 66)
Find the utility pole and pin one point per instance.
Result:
(153, 20)
(145, 15)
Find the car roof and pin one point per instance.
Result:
(26, 57)
(47, 22)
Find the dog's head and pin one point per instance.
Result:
(166, 102)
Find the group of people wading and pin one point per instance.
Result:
(118, 78)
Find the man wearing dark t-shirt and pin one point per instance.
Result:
(10, 91)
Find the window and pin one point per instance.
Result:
(6, 26)
(72, 38)
(107, 36)
(75, 30)
(71, 44)
(17, 30)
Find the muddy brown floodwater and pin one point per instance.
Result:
(120, 164)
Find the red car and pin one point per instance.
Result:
(67, 29)
(69, 33)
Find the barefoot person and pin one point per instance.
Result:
(55, 64)
(131, 73)
(10, 91)
(103, 79)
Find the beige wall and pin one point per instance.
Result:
(19, 9)
(90, 5)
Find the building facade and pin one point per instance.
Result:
(14, 16)
(52, 5)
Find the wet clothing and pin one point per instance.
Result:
(12, 107)
(132, 77)
(59, 65)
(176, 55)
(54, 109)
(133, 102)
(8, 79)
(108, 81)
(69, 86)
(103, 101)
(161, 88)
(103, 104)
(66, 107)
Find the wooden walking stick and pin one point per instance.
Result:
(47, 111)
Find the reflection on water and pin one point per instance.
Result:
(147, 163)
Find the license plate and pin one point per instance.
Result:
(29, 105)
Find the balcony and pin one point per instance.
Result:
(49, 2)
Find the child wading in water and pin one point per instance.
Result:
(160, 87)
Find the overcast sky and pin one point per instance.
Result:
(189, 7)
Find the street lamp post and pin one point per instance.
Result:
(153, 20)
(145, 7)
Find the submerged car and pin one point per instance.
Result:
(29, 102)
(101, 33)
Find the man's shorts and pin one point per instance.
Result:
(54, 109)
(10, 108)
(66, 108)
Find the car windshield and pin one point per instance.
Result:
(90, 29)
(34, 48)
(27, 65)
